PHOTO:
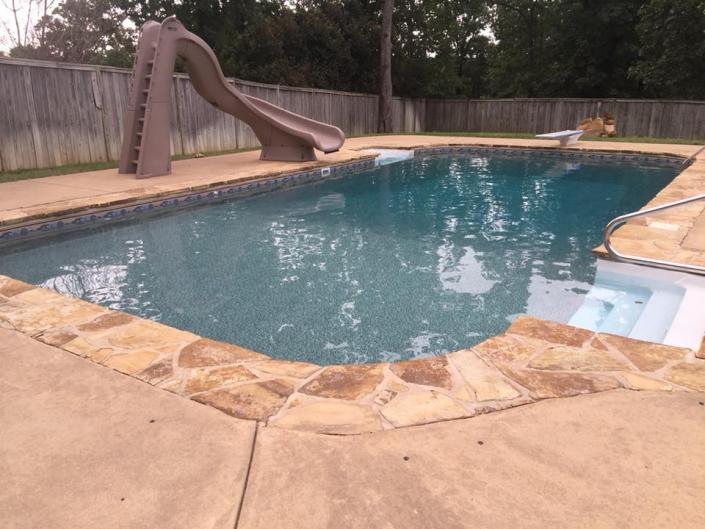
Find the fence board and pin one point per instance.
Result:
(651, 118)
(16, 140)
(55, 114)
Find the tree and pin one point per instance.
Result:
(385, 68)
(457, 47)
(564, 48)
(592, 44)
(83, 31)
(518, 63)
(20, 31)
(672, 54)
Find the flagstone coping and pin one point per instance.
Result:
(95, 191)
(188, 176)
(533, 360)
(676, 235)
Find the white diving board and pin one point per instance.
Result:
(565, 137)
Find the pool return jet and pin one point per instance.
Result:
(146, 145)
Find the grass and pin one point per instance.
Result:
(25, 174)
(525, 136)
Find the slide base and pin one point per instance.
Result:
(287, 153)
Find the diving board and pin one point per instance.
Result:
(565, 137)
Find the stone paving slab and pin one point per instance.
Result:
(28, 200)
(52, 196)
(82, 446)
(611, 460)
(533, 360)
(674, 235)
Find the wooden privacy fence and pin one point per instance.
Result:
(635, 117)
(55, 114)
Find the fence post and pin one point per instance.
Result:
(97, 82)
(32, 114)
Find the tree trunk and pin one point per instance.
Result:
(385, 69)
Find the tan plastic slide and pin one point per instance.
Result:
(284, 136)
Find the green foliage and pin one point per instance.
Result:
(563, 48)
(324, 44)
(441, 48)
(83, 31)
(672, 54)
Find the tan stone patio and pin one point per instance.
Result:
(533, 360)
(40, 198)
(85, 446)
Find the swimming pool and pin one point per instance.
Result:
(415, 258)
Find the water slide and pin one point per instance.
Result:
(284, 136)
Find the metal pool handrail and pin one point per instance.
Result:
(658, 263)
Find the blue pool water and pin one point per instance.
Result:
(411, 259)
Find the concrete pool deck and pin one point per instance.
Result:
(533, 360)
(82, 446)
(676, 235)
(24, 200)
(418, 407)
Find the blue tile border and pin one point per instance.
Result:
(214, 194)
(266, 184)
(519, 152)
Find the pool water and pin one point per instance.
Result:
(411, 259)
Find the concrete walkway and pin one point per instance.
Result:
(84, 446)
(610, 460)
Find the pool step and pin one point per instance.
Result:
(657, 316)
(389, 156)
(688, 325)
(644, 303)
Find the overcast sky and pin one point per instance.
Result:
(5, 19)
(7, 22)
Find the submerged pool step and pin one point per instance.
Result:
(608, 308)
(644, 303)
(658, 316)
(689, 324)
(388, 156)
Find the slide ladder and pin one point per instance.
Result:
(146, 147)
(140, 83)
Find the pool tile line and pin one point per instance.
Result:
(120, 206)
(533, 360)
(551, 152)
(245, 187)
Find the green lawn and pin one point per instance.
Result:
(525, 135)
(24, 174)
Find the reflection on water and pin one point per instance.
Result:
(411, 259)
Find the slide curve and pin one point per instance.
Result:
(284, 135)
